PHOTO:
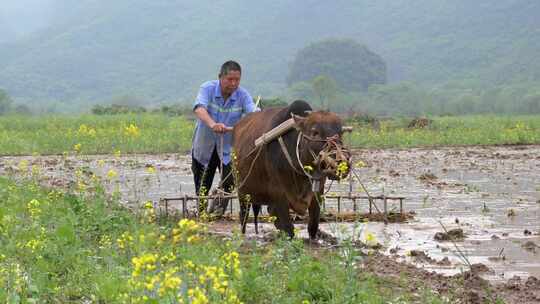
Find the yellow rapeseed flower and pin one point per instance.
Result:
(34, 244)
(125, 240)
(34, 208)
(92, 133)
(170, 257)
(105, 241)
(81, 186)
(170, 282)
(193, 239)
(112, 174)
(197, 296)
(23, 165)
(35, 170)
(360, 164)
(190, 265)
(232, 298)
(231, 263)
(342, 169)
(145, 262)
(132, 131)
(187, 231)
(83, 129)
(370, 239)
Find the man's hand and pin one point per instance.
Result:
(220, 128)
(203, 115)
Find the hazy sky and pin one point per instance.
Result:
(25, 16)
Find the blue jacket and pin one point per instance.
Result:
(228, 113)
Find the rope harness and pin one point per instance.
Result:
(327, 160)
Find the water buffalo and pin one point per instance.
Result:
(288, 173)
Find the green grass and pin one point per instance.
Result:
(156, 133)
(150, 133)
(58, 247)
(450, 131)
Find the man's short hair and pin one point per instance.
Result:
(229, 66)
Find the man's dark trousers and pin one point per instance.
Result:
(204, 177)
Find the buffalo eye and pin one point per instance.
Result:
(314, 132)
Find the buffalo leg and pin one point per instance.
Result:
(244, 214)
(283, 221)
(256, 211)
(314, 217)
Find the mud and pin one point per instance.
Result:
(451, 235)
(467, 188)
(463, 287)
(491, 193)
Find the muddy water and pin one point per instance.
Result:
(492, 193)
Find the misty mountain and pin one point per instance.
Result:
(161, 50)
(24, 17)
(6, 33)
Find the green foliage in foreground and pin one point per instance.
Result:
(159, 133)
(78, 247)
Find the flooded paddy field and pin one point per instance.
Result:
(491, 193)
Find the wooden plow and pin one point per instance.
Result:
(334, 206)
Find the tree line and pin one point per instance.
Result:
(345, 76)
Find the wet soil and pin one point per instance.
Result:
(491, 193)
(464, 287)
(489, 196)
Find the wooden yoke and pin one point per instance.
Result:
(275, 132)
(282, 128)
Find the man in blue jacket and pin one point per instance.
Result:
(218, 107)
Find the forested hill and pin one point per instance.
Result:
(163, 49)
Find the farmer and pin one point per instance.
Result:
(219, 106)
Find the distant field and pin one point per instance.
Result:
(450, 131)
(94, 134)
(156, 133)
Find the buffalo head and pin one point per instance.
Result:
(320, 145)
